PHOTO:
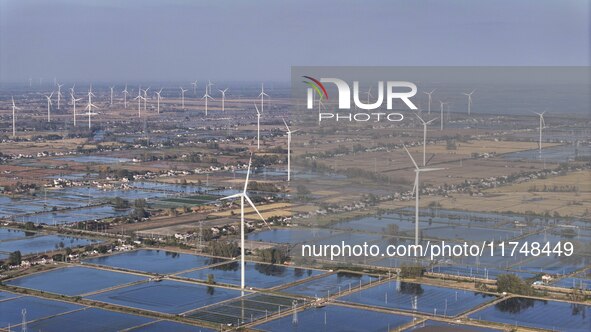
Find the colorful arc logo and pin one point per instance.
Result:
(317, 86)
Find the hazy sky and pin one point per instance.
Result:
(116, 40)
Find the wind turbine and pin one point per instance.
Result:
(59, 94)
(469, 99)
(429, 94)
(111, 87)
(289, 132)
(441, 103)
(258, 127)
(425, 124)
(244, 196)
(206, 96)
(49, 106)
(139, 102)
(194, 84)
(145, 97)
(416, 190)
(74, 100)
(223, 99)
(88, 108)
(183, 97)
(262, 95)
(14, 108)
(208, 88)
(125, 93)
(542, 125)
(158, 100)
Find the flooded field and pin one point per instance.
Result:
(37, 308)
(330, 285)
(43, 243)
(558, 316)
(259, 275)
(74, 280)
(166, 296)
(336, 318)
(423, 298)
(153, 261)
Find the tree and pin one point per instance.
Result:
(511, 283)
(15, 258)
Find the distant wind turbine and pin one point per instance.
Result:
(49, 106)
(258, 127)
(158, 100)
(368, 93)
(206, 96)
(244, 196)
(14, 108)
(194, 84)
(183, 97)
(223, 99)
(208, 88)
(145, 97)
(263, 95)
(469, 99)
(89, 107)
(125, 93)
(289, 132)
(416, 190)
(74, 100)
(139, 102)
(429, 94)
(425, 124)
(59, 94)
(542, 126)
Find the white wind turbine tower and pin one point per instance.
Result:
(542, 126)
(145, 97)
(183, 97)
(289, 132)
(49, 106)
(263, 95)
(111, 87)
(14, 108)
(223, 99)
(125, 93)
(429, 94)
(417, 190)
(158, 100)
(425, 124)
(441, 103)
(258, 127)
(88, 108)
(74, 100)
(194, 84)
(469, 99)
(243, 196)
(139, 102)
(206, 96)
(59, 94)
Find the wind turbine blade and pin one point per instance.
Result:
(428, 122)
(411, 158)
(247, 175)
(423, 121)
(255, 106)
(431, 169)
(285, 123)
(231, 196)
(256, 210)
